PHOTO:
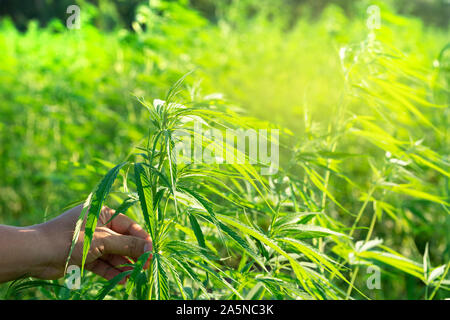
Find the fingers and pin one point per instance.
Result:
(124, 245)
(118, 262)
(125, 225)
(104, 270)
(110, 266)
(125, 238)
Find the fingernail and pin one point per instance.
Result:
(148, 247)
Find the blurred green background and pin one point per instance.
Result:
(66, 96)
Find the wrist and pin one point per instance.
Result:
(23, 256)
(55, 239)
(50, 251)
(38, 252)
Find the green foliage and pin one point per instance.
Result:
(364, 171)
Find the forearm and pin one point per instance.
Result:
(42, 250)
(39, 250)
(21, 252)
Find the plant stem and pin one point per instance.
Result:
(349, 291)
(361, 210)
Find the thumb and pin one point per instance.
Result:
(126, 245)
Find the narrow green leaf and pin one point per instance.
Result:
(98, 198)
(144, 191)
(197, 231)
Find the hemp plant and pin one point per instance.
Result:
(218, 229)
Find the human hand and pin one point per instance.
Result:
(112, 245)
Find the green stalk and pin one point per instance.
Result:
(361, 210)
(349, 291)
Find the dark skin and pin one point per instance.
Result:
(41, 250)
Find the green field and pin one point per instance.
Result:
(364, 165)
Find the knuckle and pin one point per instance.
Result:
(102, 232)
(97, 248)
(105, 214)
(101, 236)
(134, 246)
